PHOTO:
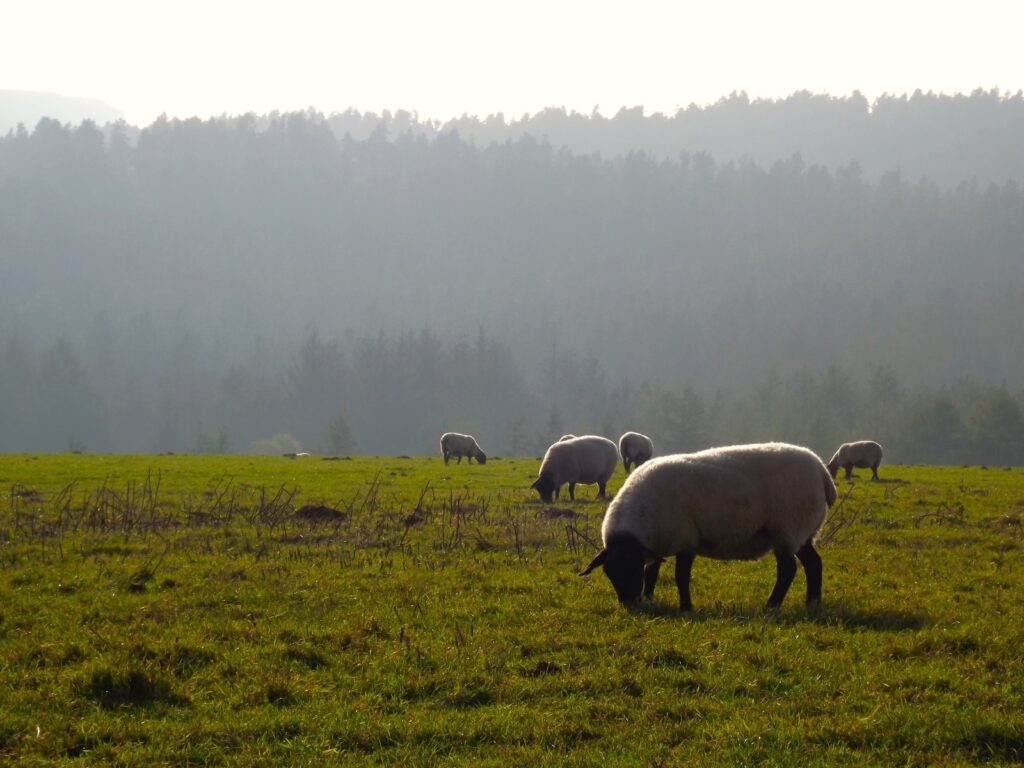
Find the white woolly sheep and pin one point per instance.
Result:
(865, 454)
(734, 503)
(588, 459)
(635, 449)
(454, 444)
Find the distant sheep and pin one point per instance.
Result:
(589, 459)
(563, 438)
(734, 503)
(455, 445)
(635, 449)
(865, 454)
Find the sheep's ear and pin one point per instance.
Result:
(601, 557)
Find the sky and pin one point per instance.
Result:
(446, 58)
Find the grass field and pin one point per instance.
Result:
(177, 610)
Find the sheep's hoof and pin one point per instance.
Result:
(814, 608)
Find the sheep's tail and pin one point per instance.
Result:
(830, 487)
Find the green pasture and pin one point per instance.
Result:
(179, 610)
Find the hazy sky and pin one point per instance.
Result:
(445, 58)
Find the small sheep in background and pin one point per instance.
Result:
(635, 449)
(588, 459)
(865, 454)
(454, 444)
(734, 503)
(563, 438)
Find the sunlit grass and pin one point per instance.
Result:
(164, 610)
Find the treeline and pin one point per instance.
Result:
(389, 395)
(686, 270)
(947, 138)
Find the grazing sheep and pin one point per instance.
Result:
(864, 454)
(454, 444)
(588, 459)
(563, 438)
(635, 449)
(734, 503)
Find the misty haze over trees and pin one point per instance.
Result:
(947, 139)
(28, 107)
(352, 283)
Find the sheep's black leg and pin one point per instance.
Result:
(849, 471)
(460, 460)
(811, 561)
(600, 490)
(446, 457)
(785, 570)
(874, 472)
(572, 491)
(625, 465)
(651, 578)
(684, 563)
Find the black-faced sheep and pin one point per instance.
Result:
(588, 459)
(865, 454)
(454, 444)
(635, 449)
(734, 503)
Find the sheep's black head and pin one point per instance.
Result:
(833, 469)
(623, 563)
(480, 456)
(545, 487)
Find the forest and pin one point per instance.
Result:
(347, 283)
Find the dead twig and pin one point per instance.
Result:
(838, 521)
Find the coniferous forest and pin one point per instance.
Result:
(811, 270)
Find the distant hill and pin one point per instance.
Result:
(28, 107)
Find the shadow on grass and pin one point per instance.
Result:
(116, 687)
(834, 614)
(566, 501)
(879, 481)
(879, 620)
